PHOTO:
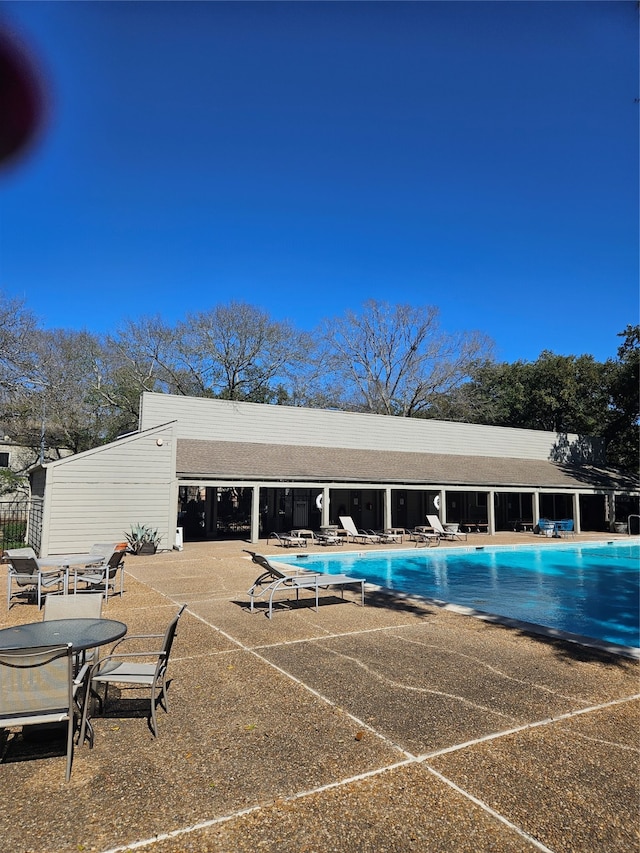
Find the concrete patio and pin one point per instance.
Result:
(399, 726)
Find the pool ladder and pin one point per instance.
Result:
(629, 523)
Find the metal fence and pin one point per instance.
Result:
(14, 523)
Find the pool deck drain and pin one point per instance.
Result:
(397, 726)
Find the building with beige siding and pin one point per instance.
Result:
(218, 468)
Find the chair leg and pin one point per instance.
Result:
(154, 724)
(165, 698)
(70, 730)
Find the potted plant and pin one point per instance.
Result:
(143, 539)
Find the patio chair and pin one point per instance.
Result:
(31, 581)
(274, 579)
(546, 527)
(288, 540)
(87, 606)
(355, 535)
(37, 687)
(119, 667)
(109, 561)
(73, 606)
(565, 528)
(451, 531)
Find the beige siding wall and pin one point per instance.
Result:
(96, 496)
(229, 421)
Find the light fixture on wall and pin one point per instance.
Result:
(159, 442)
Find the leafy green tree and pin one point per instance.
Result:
(622, 429)
(556, 392)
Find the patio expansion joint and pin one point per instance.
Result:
(325, 699)
(326, 636)
(408, 759)
(548, 721)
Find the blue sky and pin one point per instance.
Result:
(304, 157)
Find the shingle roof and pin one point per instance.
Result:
(230, 460)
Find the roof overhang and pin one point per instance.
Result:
(243, 461)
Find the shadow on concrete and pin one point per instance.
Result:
(576, 651)
(373, 598)
(388, 600)
(292, 604)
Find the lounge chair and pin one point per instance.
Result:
(314, 538)
(355, 535)
(274, 579)
(386, 538)
(288, 540)
(329, 538)
(424, 537)
(451, 531)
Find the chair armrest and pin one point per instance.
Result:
(51, 572)
(136, 637)
(98, 665)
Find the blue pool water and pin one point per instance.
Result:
(591, 589)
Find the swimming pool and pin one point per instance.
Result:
(591, 590)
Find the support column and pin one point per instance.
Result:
(326, 507)
(387, 520)
(611, 504)
(536, 507)
(576, 513)
(255, 513)
(491, 512)
(443, 506)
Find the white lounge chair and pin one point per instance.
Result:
(385, 537)
(356, 535)
(274, 579)
(448, 532)
(288, 540)
(320, 538)
(424, 537)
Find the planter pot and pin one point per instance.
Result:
(146, 548)
(619, 526)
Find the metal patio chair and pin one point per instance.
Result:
(25, 578)
(102, 576)
(37, 687)
(125, 668)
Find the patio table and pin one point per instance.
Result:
(66, 562)
(81, 633)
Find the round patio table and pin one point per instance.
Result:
(81, 633)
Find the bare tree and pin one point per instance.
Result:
(395, 360)
(238, 352)
(17, 327)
